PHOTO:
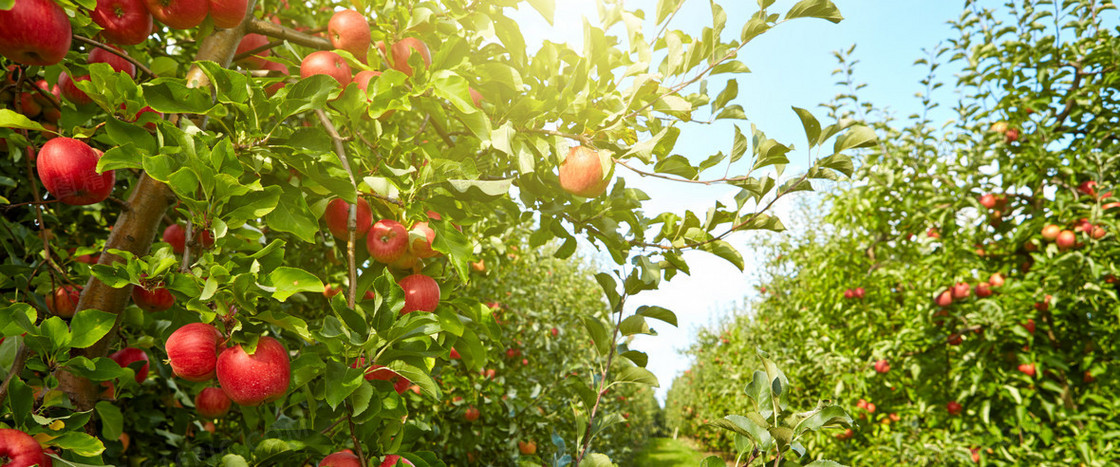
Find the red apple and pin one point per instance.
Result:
(341, 459)
(125, 22)
(329, 291)
(954, 339)
(1066, 239)
(176, 236)
(527, 449)
(954, 408)
(422, 237)
(387, 241)
(849, 294)
(961, 290)
(212, 403)
(278, 67)
(945, 299)
(584, 172)
(988, 200)
(405, 49)
(1050, 232)
(228, 13)
(471, 414)
(1088, 188)
(34, 32)
(859, 293)
(363, 78)
(19, 449)
(1027, 369)
(64, 301)
(253, 41)
(192, 351)
(1011, 135)
(257, 378)
(131, 354)
(369, 295)
(1029, 325)
(71, 92)
(393, 460)
(154, 299)
(68, 169)
(996, 280)
(476, 97)
(421, 293)
(179, 14)
(349, 31)
(882, 366)
(1044, 304)
(338, 213)
(28, 105)
(983, 290)
(328, 63)
(117, 62)
(555, 332)
(455, 354)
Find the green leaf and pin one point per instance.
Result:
(287, 281)
(658, 313)
(78, 443)
(831, 415)
(858, 136)
(824, 463)
(340, 382)
(823, 9)
(11, 119)
(810, 124)
(634, 324)
(729, 92)
(112, 422)
(55, 329)
(89, 326)
(753, 28)
(292, 215)
(98, 369)
(487, 187)
(713, 461)
(633, 374)
(234, 460)
(598, 332)
(726, 251)
(639, 358)
(839, 163)
(547, 8)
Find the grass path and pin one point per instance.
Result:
(668, 452)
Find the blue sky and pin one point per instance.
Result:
(791, 66)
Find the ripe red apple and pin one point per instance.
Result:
(125, 22)
(71, 92)
(393, 460)
(363, 78)
(349, 31)
(996, 280)
(152, 300)
(478, 266)
(1088, 188)
(983, 290)
(1027, 369)
(328, 63)
(228, 13)
(882, 366)
(176, 236)
(253, 41)
(1044, 304)
(19, 449)
(179, 14)
(131, 354)
(422, 237)
(338, 213)
(1050, 232)
(584, 172)
(471, 414)
(945, 299)
(954, 408)
(258, 378)
(117, 62)
(847, 434)
(64, 301)
(859, 293)
(192, 351)
(1011, 135)
(476, 97)
(1088, 377)
(1029, 325)
(329, 291)
(954, 339)
(212, 403)
(1066, 239)
(343, 458)
(34, 32)
(961, 290)
(527, 449)
(849, 294)
(278, 67)
(68, 169)
(988, 200)
(455, 354)
(387, 241)
(421, 293)
(555, 332)
(28, 105)
(405, 49)
(975, 454)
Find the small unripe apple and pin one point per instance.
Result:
(585, 172)
(421, 293)
(337, 216)
(341, 459)
(471, 414)
(192, 351)
(212, 403)
(386, 241)
(406, 48)
(64, 301)
(961, 290)
(1027, 369)
(131, 354)
(258, 378)
(68, 169)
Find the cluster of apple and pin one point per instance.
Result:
(961, 290)
(195, 352)
(347, 458)
(856, 293)
(1010, 134)
(997, 204)
(19, 449)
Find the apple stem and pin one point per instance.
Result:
(114, 51)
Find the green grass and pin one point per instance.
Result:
(668, 452)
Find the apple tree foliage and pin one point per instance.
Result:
(1023, 373)
(256, 171)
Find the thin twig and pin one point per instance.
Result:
(353, 433)
(603, 382)
(114, 51)
(17, 366)
(351, 222)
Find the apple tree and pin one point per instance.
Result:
(182, 210)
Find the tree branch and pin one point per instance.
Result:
(351, 218)
(114, 51)
(270, 29)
